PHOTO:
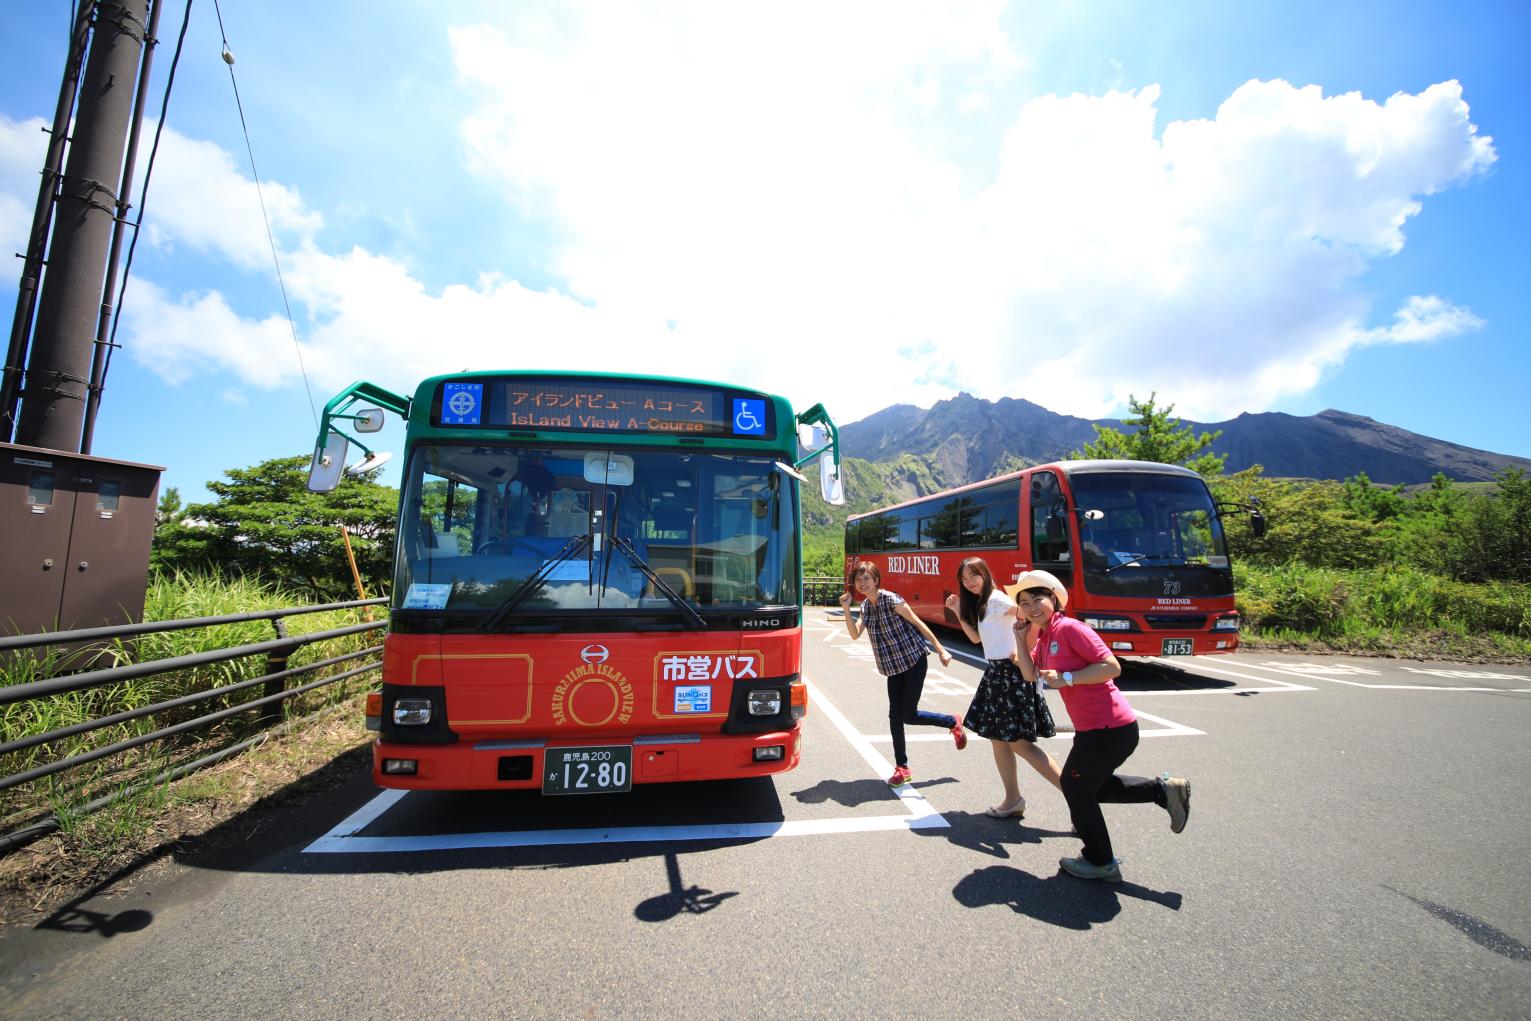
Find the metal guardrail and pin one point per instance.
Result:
(822, 589)
(274, 681)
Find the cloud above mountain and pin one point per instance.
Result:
(888, 221)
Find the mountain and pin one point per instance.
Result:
(966, 438)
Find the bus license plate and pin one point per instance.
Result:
(604, 770)
(1179, 647)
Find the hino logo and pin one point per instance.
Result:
(766, 622)
(594, 654)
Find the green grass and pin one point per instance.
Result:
(169, 597)
(1397, 610)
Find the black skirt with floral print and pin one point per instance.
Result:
(1007, 707)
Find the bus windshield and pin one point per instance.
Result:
(1142, 534)
(504, 529)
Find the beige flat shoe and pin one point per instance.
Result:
(1018, 810)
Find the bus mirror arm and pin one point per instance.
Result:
(1256, 518)
(817, 434)
(330, 446)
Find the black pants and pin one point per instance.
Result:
(904, 707)
(1090, 780)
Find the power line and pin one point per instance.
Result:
(143, 194)
(228, 58)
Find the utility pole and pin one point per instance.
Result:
(78, 528)
(57, 377)
(42, 218)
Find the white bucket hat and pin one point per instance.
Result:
(1041, 579)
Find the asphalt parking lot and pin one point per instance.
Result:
(1356, 848)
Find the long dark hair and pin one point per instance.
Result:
(971, 608)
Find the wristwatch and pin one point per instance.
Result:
(1067, 677)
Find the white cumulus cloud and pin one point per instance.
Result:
(834, 215)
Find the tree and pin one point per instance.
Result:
(1493, 539)
(1156, 437)
(266, 523)
(169, 510)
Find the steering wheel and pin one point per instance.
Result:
(507, 545)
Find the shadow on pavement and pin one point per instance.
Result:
(978, 832)
(1059, 900)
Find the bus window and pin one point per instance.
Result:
(1049, 524)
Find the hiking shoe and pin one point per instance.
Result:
(900, 776)
(958, 734)
(1081, 868)
(1177, 800)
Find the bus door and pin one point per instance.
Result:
(1049, 518)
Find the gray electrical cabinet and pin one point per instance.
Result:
(75, 533)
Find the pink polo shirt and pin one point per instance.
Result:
(1067, 644)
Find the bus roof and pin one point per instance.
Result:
(1066, 467)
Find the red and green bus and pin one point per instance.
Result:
(597, 580)
(1139, 545)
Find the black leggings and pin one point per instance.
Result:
(904, 707)
(1090, 780)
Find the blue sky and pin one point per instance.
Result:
(1275, 206)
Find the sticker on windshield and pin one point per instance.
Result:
(577, 569)
(696, 699)
(427, 597)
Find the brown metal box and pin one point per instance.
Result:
(75, 533)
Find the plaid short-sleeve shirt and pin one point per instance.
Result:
(896, 645)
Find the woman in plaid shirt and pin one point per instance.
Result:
(898, 645)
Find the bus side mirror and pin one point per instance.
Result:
(369, 420)
(831, 483)
(329, 463)
(1257, 524)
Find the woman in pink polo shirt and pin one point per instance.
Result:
(1070, 656)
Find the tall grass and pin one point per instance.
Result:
(169, 597)
(1373, 608)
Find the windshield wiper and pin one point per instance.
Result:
(1128, 563)
(648, 572)
(533, 583)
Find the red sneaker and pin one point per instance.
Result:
(901, 776)
(958, 734)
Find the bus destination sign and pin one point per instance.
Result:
(567, 404)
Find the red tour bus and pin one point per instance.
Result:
(1139, 545)
(597, 580)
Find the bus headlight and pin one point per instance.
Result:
(1228, 623)
(1109, 623)
(411, 712)
(770, 753)
(765, 703)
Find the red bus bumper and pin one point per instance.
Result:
(1158, 643)
(517, 763)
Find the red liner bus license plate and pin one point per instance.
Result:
(1178, 647)
(604, 770)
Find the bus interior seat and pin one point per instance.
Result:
(566, 516)
(678, 578)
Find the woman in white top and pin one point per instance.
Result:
(1007, 709)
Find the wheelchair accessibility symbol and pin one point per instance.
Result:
(749, 417)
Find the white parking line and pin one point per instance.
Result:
(1324, 672)
(343, 838)
(1201, 665)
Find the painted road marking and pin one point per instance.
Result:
(1268, 684)
(1322, 672)
(343, 838)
